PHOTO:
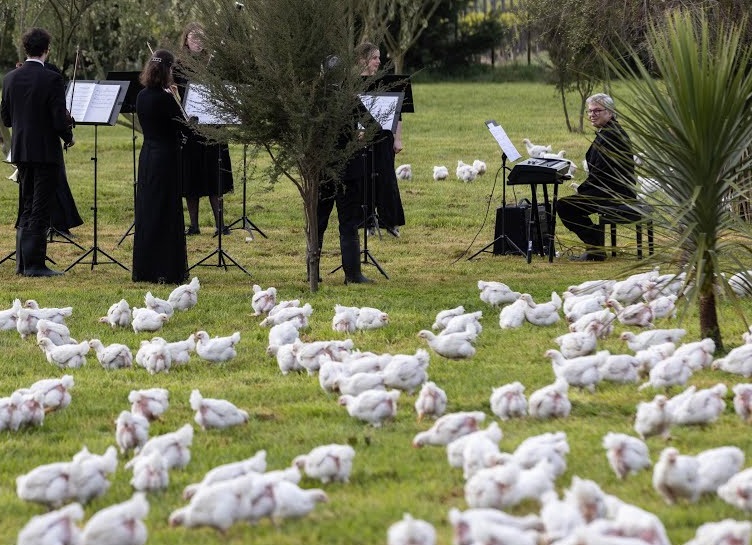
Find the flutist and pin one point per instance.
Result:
(33, 105)
(159, 252)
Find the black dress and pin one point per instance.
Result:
(159, 252)
(64, 212)
(387, 195)
(207, 170)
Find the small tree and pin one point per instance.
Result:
(287, 72)
(692, 128)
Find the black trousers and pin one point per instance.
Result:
(348, 198)
(574, 212)
(37, 183)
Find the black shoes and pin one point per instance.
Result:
(590, 255)
(192, 231)
(225, 231)
(357, 279)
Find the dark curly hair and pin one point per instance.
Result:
(36, 41)
(157, 72)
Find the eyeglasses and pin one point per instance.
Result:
(596, 112)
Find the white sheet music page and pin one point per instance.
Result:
(92, 102)
(77, 98)
(504, 142)
(382, 107)
(198, 103)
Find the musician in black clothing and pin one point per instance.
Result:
(610, 181)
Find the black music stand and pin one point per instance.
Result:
(506, 147)
(96, 103)
(129, 107)
(244, 220)
(198, 105)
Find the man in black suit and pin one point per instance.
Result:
(33, 105)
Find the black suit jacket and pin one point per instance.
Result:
(33, 105)
(610, 164)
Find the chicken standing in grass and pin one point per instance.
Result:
(654, 418)
(9, 316)
(676, 476)
(431, 401)
(66, 356)
(160, 306)
(410, 531)
(509, 401)
(150, 403)
(496, 293)
(542, 314)
(118, 315)
(327, 463)
(54, 528)
(551, 401)
(372, 406)
(216, 413)
(175, 447)
(56, 392)
(145, 319)
(449, 427)
(743, 401)
(454, 346)
(626, 455)
(119, 524)
(186, 296)
(59, 334)
(263, 300)
(440, 173)
(131, 431)
(225, 472)
(113, 356)
(218, 349)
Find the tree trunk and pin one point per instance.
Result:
(564, 106)
(709, 319)
(313, 255)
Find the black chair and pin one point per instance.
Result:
(638, 215)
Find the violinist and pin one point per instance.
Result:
(33, 106)
(159, 252)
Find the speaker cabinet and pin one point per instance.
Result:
(515, 220)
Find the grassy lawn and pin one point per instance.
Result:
(446, 222)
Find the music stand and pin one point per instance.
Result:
(129, 107)
(244, 220)
(508, 152)
(96, 103)
(198, 105)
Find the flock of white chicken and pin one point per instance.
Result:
(369, 387)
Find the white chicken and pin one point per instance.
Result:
(48, 484)
(480, 167)
(699, 406)
(464, 322)
(145, 319)
(59, 334)
(619, 368)
(89, 472)
(497, 293)
(150, 403)
(582, 305)
(155, 357)
(327, 463)
(358, 383)
(280, 335)
(66, 356)
(440, 173)
(560, 518)
(185, 297)
(743, 401)
(551, 401)
(738, 361)
(291, 501)
(410, 531)
(492, 526)
(443, 317)
(542, 314)
(676, 476)
(118, 315)
(725, 532)
(551, 446)
(578, 343)
(647, 358)
(160, 306)
(737, 491)
(456, 449)
(131, 431)
(218, 349)
(656, 336)
(671, 371)
(717, 466)
(113, 356)
(371, 318)
(31, 408)
(406, 372)
(479, 452)
(592, 287)
(431, 401)
(449, 427)
(493, 487)
(626, 455)
(174, 446)
(11, 416)
(345, 321)
(150, 473)
(509, 401)
(119, 524)
(372, 406)
(54, 528)
(180, 351)
(263, 300)
(636, 314)
(9, 316)
(513, 316)
(581, 372)
(698, 355)
(297, 315)
(653, 418)
(216, 413)
(404, 172)
(49, 313)
(453, 346)
(465, 173)
(663, 306)
(56, 392)
(603, 318)
(226, 472)
(535, 150)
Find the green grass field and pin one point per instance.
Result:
(428, 270)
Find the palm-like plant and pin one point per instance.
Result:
(692, 126)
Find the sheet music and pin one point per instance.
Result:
(383, 107)
(91, 102)
(504, 142)
(198, 103)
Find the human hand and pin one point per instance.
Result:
(67, 145)
(397, 145)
